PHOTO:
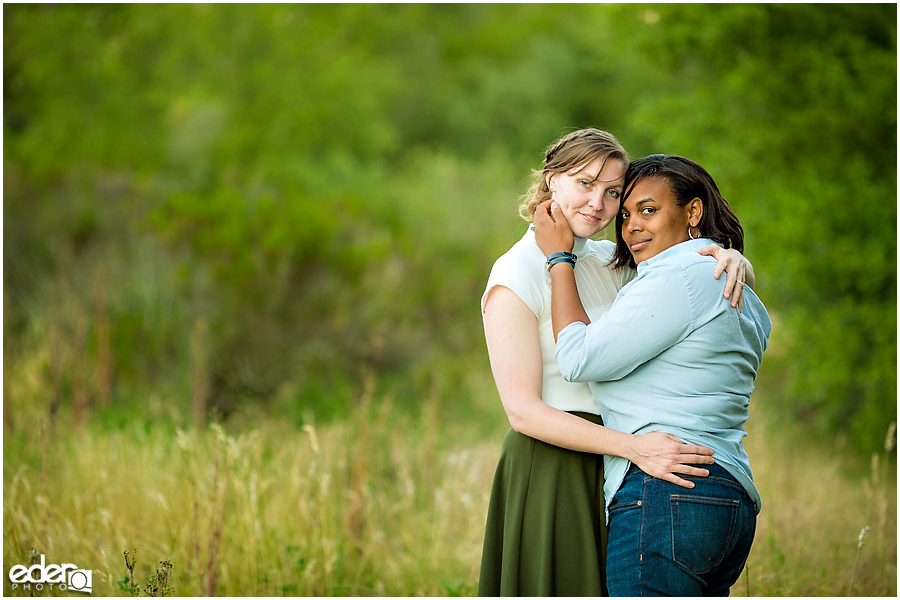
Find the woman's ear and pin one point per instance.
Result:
(695, 211)
(548, 179)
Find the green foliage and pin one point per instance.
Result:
(158, 584)
(801, 136)
(300, 195)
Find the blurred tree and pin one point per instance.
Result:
(792, 107)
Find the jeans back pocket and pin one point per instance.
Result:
(703, 530)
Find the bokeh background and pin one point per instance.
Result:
(244, 247)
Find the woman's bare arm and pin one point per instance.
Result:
(553, 234)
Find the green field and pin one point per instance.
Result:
(385, 502)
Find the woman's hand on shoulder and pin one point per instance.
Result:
(664, 456)
(551, 229)
(737, 269)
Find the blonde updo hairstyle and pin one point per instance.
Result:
(570, 152)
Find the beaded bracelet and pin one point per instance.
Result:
(560, 257)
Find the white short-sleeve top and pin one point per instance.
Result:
(523, 270)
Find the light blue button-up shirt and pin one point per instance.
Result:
(672, 355)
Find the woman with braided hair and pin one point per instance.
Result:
(546, 530)
(670, 356)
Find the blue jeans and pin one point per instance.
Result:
(666, 540)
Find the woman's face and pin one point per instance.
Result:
(588, 195)
(651, 220)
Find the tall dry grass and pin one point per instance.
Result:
(828, 525)
(384, 503)
(376, 505)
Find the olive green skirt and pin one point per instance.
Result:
(546, 526)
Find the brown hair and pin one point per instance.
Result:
(569, 152)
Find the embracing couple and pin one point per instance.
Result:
(625, 370)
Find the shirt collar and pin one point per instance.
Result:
(683, 247)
